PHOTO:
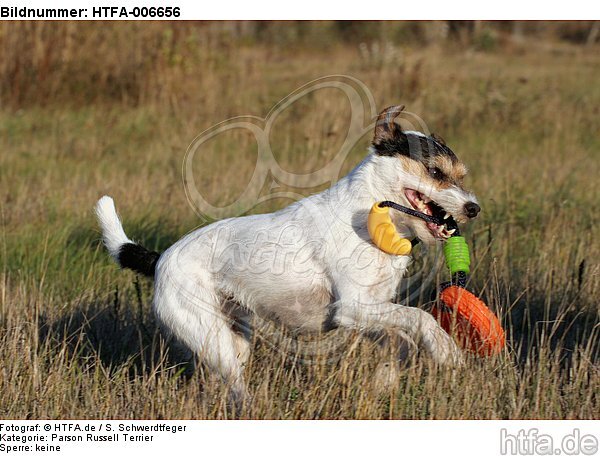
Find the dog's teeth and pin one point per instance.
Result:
(451, 232)
(446, 215)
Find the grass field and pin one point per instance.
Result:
(114, 114)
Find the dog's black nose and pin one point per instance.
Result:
(472, 209)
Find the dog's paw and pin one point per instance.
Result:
(443, 349)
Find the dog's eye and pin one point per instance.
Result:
(436, 173)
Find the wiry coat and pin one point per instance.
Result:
(310, 266)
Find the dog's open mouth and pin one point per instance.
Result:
(427, 206)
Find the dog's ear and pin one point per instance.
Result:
(385, 127)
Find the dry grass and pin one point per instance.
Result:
(77, 338)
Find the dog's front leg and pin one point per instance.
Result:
(418, 324)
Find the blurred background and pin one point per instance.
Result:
(136, 63)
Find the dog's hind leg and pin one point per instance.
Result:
(192, 315)
(182, 356)
(241, 323)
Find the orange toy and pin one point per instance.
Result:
(465, 315)
(459, 311)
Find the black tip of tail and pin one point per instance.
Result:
(138, 259)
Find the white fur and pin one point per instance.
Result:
(112, 231)
(415, 133)
(296, 266)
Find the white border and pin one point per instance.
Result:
(302, 438)
(351, 9)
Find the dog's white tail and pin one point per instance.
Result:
(125, 252)
(112, 231)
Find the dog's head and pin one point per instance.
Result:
(421, 172)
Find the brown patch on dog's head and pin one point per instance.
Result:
(385, 127)
(421, 154)
(447, 171)
(458, 172)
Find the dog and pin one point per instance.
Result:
(310, 266)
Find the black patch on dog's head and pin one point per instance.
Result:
(389, 140)
(420, 148)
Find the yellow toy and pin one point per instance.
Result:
(383, 232)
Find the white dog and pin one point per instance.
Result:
(310, 266)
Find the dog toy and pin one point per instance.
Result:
(383, 232)
(458, 310)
